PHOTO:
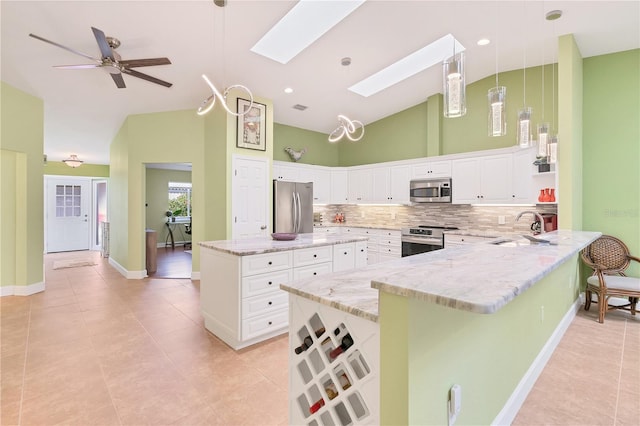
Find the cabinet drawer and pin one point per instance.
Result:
(389, 242)
(392, 251)
(263, 283)
(464, 239)
(312, 271)
(389, 233)
(268, 262)
(264, 304)
(313, 255)
(264, 324)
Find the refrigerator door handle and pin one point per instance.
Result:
(299, 207)
(294, 205)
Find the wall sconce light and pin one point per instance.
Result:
(347, 128)
(73, 161)
(454, 86)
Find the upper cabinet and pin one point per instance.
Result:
(431, 169)
(360, 186)
(289, 173)
(482, 180)
(339, 187)
(321, 179)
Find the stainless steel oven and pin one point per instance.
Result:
(423, 239)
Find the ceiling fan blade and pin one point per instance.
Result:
(77, 67)
(68, 49)
(117, 78)
(133, 63)
(135, 73)
(103, 44)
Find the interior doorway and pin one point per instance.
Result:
(168, 219)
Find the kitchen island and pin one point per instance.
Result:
(240, 298)
(483, 316)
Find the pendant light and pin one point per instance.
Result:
(348, 128)
(209, 102)
(552, 139)
(523, 133)
(73, 161)
(497, 97)
(454, 85)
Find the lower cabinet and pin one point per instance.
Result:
(240, 296)
(460, 240)
(334, 366)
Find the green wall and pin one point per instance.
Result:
(157, 200)
(59, 168)
(118, 206)
(319, 150)
(427, 348)
(611, 147)
(22, 201)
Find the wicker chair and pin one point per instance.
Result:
(609, 257)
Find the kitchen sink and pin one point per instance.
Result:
(527, 240)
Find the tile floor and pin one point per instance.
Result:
(97, 349)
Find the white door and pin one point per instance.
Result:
(250, 197)
(68, 201)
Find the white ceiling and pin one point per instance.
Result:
(84, 109)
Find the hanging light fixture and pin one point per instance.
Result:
(497, 97)
(454, 85)
(209, 102)
(348, 128)
(523, 134)
(552, 138)
(73, 161)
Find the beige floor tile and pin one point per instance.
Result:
(205, 416)
(268, 403)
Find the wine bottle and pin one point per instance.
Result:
(347, 342)
(319, 331)
(315, 407)
(306, 344)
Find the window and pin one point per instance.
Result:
(180, 199)
(68, 198)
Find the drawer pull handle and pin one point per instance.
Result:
(270, 263)
(270, 282)
(315, 255)
(270, 322)
(315, 273)
(270, 303)
(361, 250)
(345, 252)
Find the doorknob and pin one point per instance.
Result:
(263, 227)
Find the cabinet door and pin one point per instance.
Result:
(283, 172)
(399, 185)
(339, 187)
(361, 254)
(360, 186)
(522, 179)
(381, 193)
(465, 184)
(344, 257)
(495, 179)
(441, 169)
(321, 183)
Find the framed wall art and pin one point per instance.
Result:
(252, 126)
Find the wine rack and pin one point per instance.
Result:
(334, 366)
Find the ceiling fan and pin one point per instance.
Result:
(111, 61)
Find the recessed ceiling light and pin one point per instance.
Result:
(419, 60)
(553, 15)
(288, 90)
(483, 42)
(306, 22)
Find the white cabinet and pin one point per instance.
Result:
(482, 180)
(344, 257)
(399, 184)
(522, 185)
(339, 187)
(284, 172)
(460, 240)
(360, 186)
(380, 181)
(361, 254)
(321, 179)
(431, 169)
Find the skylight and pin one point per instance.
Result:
(304, 24)
(408, 66)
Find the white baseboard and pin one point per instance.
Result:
(176, 243)
(130, 275)
(21, 290)
(517, 398)
(195, 276)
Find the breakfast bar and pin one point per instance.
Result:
(410, 329)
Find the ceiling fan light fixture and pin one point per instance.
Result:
(73, 161)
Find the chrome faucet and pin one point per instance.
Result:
(538, 217)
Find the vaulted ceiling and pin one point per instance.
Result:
(84, 109)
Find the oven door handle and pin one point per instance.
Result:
(422, 240)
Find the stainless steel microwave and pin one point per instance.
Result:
(430, 190)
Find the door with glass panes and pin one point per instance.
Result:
(67, 214)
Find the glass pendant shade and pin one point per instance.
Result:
(497, 97)
(454, 86)
(553, 149)
(543, 139)
(524, 127)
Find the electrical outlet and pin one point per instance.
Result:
(541, 314)
(501, 220)
(454, 403)
(393, 216)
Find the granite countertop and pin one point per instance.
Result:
(450, 277)
(350, 225)
(259, 245)
(473, 233)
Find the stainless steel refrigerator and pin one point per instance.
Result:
(292, 207)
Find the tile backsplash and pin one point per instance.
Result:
(463, 216)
